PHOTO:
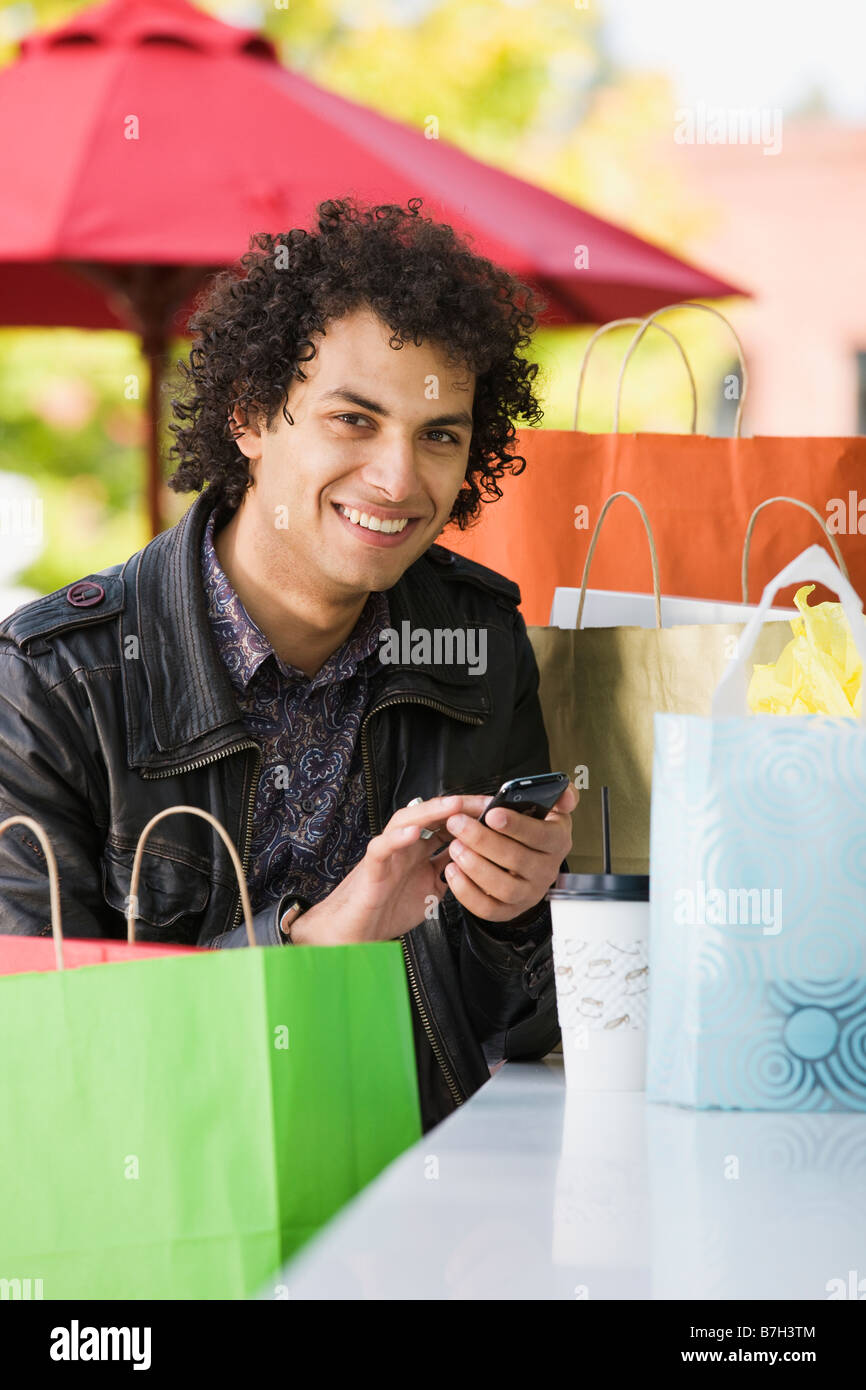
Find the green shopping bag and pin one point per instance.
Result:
(178, 1127)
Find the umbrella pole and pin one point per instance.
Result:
(146, 298)
(155, 346)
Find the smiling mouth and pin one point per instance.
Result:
(378, 525)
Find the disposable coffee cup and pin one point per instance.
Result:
(601, 967)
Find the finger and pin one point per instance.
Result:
(568, 801)
(402, 840)
(432, 814)
(492, 880)
(513, 825)
(521, 836)
(476, 901)
(560, 813)
(526, 828)
(474, 805)
(426, 813)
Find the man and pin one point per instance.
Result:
(346, 397)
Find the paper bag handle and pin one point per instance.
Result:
(132, 900)
(619, 323)
(651, 319)
(796, 502)
(813, 564)
(53, 878)
(592, 545)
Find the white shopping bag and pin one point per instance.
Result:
(612, 608)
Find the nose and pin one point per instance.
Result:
(393, 467)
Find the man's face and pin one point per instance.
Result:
(380, 435)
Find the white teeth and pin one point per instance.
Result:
(375, 523)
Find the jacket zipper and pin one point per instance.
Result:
(248, 823)
(248, 833)
(453, 1087)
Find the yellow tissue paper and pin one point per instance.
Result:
(819, 672)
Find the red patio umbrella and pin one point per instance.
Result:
(143, 142)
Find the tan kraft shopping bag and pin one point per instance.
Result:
(599, 689)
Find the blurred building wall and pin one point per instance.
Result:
(792, 228)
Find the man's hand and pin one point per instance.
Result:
(505, 867)
(392, 887)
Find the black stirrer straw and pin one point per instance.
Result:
(605, 828)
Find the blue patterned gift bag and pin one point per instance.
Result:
(758, 896)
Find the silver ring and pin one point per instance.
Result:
(416, 801)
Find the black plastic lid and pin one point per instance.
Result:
(625, 888)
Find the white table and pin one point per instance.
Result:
(530, 1192)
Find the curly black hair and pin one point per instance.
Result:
(254, 325)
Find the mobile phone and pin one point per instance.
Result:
(531, 796)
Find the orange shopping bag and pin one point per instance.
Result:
(698, 492)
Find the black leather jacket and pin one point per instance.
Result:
(115, 707)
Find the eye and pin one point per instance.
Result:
(352, 419)
(445, 436)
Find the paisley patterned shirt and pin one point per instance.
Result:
(310, 823)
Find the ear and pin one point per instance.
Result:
(247, 433)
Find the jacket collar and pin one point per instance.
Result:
(180, 704)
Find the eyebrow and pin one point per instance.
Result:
(460, 417)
